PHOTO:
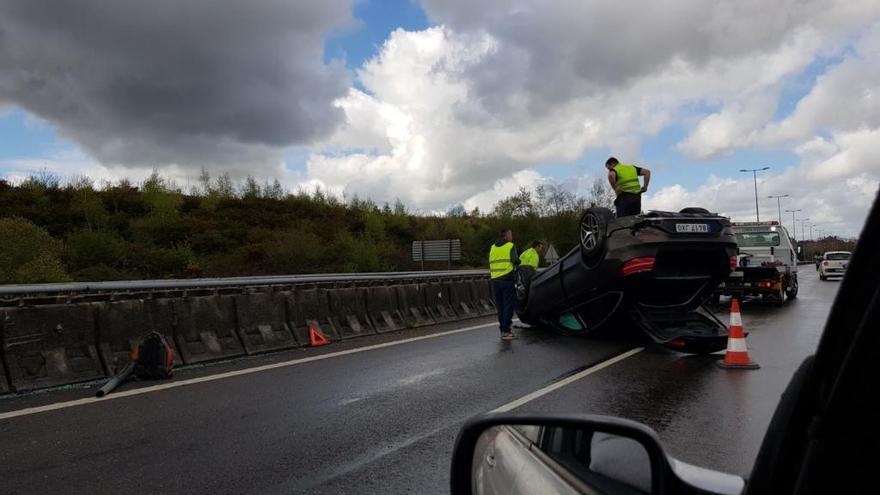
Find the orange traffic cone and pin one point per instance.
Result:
(737, 356)
(316, 337)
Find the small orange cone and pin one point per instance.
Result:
(316, 337)
(737, 356)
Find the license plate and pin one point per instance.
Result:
(736, 274)
(692, 228)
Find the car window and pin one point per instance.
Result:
(837, 256)
(757, 239)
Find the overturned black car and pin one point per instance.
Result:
(656, 269)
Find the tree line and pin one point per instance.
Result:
(75, 230)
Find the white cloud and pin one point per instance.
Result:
(503, 188)
(504, 86)
(834, 185)
(845, 98)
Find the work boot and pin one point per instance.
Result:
(507, 336)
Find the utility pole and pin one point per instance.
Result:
(793, 224)
(779, 204)
(754, 172)
(803, 237)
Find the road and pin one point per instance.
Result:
(380, 415)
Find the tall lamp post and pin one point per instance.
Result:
(793, 224)
(803, 226)
(754, 172)
(779, 204)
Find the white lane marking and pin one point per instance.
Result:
(229, 374)
(566, 381)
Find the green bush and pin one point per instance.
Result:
(29, 254)
(220, 229)
(86, 248)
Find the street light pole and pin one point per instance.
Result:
(803, 233)
(754, 172)
(779, 204)
(793, 224)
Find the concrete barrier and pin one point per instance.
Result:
(411, 300)
(348, 312)
(121, 325)
(308, 306)
(461, 298)
(438, 303)
(383, 309)
(483, 302)
(50, 345)
(205, 328)
(262, 322)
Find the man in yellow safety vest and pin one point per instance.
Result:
(624, 180)
(532, 256)
(503, 261)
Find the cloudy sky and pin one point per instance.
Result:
(441, 102)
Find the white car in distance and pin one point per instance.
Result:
(834, 264)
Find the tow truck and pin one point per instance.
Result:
(765, 266)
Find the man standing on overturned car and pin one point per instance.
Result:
(624, 179)
(503, 260)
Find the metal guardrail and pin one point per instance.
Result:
(129, 285)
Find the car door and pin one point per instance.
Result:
(825, 436)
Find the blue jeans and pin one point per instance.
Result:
(505, 301)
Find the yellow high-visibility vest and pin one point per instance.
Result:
(530, 257)
(628, 178)
(500, 263)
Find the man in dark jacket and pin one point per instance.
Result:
(503, 260)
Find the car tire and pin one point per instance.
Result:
(695, 209)
(523, 285)
(792, 290)
(593, 230)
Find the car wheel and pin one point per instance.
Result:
(792, 289)
(593, 229)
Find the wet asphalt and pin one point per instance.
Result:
(384, 420)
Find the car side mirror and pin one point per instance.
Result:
(552, 454)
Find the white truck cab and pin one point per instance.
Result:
(766, 263)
